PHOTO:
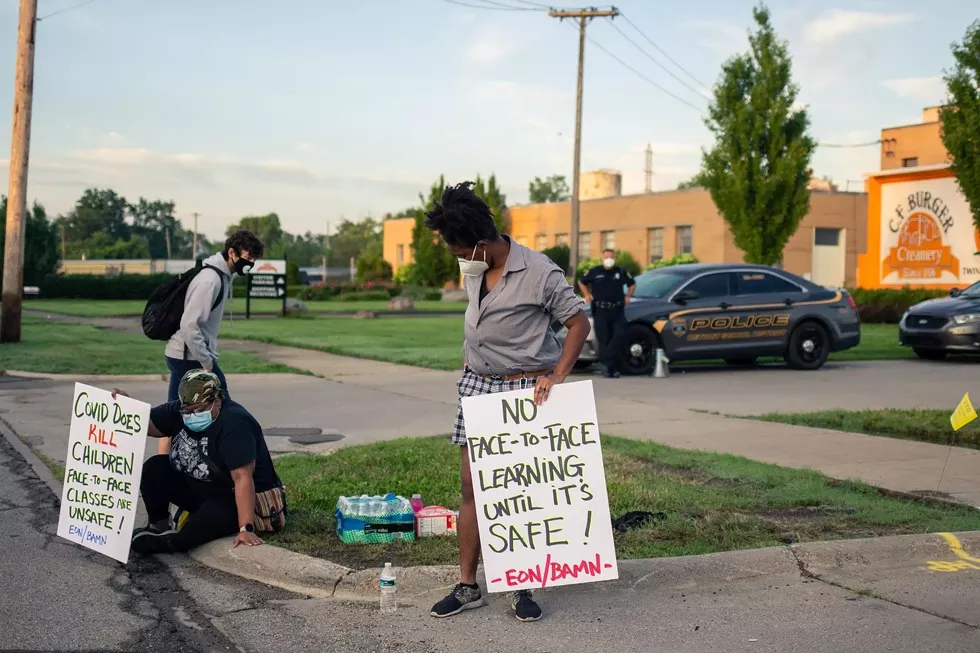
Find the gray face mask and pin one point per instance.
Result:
(474, 268)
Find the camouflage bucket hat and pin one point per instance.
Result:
(198, 386)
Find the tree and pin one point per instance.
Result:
(265, 227)
(490, 193)
(155, 222)
(961, 117)
(757, 170)
(434, 262)
(560, 254)
(40, 243)
(352, 238)
(97, 211)
(552, 189)
(697, 181)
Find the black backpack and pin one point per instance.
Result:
(165, 307)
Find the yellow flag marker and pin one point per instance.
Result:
(964, 413)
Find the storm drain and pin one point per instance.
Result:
(303, 435)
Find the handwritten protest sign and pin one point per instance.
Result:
(106, 441)
(540, 488)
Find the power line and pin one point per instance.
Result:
(651, 58)
(642, 76)
(501, 7)
(868, 144)
(65, 10)
(661, 50)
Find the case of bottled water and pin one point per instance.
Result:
(375, 519)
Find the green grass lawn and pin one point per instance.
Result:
(433, 342)
(127, 308)
(908, 424)
(713, 502)
(436, 342)
(61, 348)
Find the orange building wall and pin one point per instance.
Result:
(921, 141)
(397, 235)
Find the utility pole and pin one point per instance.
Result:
(583, 17)
(194, 246)
(20, 147)
(648, 171)
(63, 255)
(167, 234)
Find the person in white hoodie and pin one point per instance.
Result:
(195, 345)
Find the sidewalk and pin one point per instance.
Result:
(661, 410)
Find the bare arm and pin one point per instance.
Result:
(244, 493)
(578, 331)
(585, 292)
(151, 430)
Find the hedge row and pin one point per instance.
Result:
(886, 305)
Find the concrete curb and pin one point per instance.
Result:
(86, 377)
(40, 468)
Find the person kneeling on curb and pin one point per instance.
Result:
(218, 470)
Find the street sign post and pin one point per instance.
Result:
(266, 280)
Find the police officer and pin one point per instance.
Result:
(608, 301)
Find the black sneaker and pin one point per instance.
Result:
(150, 540)
(525, 609)
(463, 597)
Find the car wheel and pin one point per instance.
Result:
(641, 350)
(742, 362)
(809, 347)
(930, 354)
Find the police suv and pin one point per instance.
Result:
(734, 312)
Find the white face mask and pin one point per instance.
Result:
(608, 262)
(474, 268)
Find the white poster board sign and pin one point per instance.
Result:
(540, 488)
(106, 442)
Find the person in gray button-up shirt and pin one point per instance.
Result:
(515, 294)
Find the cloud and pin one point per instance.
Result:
(838, 23)
(720, 36)
(491, 47)
(925, 90)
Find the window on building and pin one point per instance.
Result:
(524, 240)
(541, 242)
(910, 162)
(655, 244)
(561, 239)
(400, 255)
(584, 245)
(761, 283)
(609, 240)
(685, 244)
(718, 284)
(825, 237)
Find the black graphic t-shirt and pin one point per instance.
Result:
(234, 440)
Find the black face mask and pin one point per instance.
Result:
(242, 266)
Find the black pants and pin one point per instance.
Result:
(179, 367)
(213, 513)
(610, 329)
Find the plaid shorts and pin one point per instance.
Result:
(472, 384)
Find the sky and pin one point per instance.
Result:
(321, 110)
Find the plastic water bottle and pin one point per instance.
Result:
(388, 603)
(417, 503)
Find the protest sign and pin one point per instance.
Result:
(540, 488)
(106, 442)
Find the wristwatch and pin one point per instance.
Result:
(247, 528)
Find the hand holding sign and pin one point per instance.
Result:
(106, 441)
(540, 488)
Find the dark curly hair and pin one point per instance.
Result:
(462, 218)
(244, 241)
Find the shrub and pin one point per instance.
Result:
(624, 260)
(363, 296)
(335, 291)
(404, 275)
(560, 254)
(679, 259)
(886, 305)
(95, 286)
(418, 293)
